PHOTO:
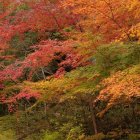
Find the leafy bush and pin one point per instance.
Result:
(52, 136)
(114, 57)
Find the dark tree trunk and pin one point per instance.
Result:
(93, 118)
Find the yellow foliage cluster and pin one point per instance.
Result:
(133, 33)
(134, 6)
(122, 87)
(108, 18)
(51, 89)
(75, 83)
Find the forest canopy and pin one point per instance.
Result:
(69, 69)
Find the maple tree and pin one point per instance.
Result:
(108, 18)
(122, 87)
(70, 68)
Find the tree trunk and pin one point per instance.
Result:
(93, 118)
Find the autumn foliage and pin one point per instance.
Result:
(77, 57)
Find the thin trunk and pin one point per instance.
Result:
(26, 115)
(43, 73)
(93, 118)
(45, 110)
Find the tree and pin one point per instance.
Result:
(105, 17)
(70, 67)
(120, 88)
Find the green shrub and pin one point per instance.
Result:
(134, 137)
(74, 134)
(7, 135)
(99, 136)
(114, 57)
(52, 136)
